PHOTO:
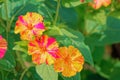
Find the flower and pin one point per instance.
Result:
(98, 3)
(82, 0)
(29, 26)
(69, 62)
(43, 49)
(3, 46)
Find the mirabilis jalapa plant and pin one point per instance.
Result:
(45, 49)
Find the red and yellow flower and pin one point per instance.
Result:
(29, 26)
(69, 62)
(43, 50)
(3, 46)
(98, 3)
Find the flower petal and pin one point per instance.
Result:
(3, 46)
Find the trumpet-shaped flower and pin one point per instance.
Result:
(43, 49)
(3, 46)
(69, 62)
(98, 3)
(29, 26)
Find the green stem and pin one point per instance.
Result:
(6, 10)
(20, 60)
(23, 73)
(15, 15)
(57, 12)
(2, 23)
(49, 14)
(2, 75)
(24, 67)
(7, 19)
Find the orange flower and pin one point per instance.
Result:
(43, 49)
(69, 62)
(98, 3)
(29, 26)
(3, 46)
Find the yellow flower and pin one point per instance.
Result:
(98, 3)
(43, 50)
(3, 46)
(70, 61)
(29, 26)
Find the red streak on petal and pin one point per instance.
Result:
(22, 21)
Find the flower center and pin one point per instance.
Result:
(68, 60)
(43, 49)
(30, 26)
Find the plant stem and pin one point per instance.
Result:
(57, 12)
(2, 75)
(49, 14)
(19, 57)
(7, 19)
(6, 10)
(2, 23)
(23, 73)
(16, 14)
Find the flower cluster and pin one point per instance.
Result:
(45, 49)
(96, 4)
(3, 46)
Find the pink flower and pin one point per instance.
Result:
(43, 50)
(29, 26)
(3, 46)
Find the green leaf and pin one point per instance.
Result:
(71, 3)
(75, 38)
(108, 36)
(105, 67)
(3, 10)
(76, 77)
(22, 43)
(34, 75)
(46, 72)
(98, 54)
(73, 34)
(111, 32)
(71, 19)
(20, 48)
